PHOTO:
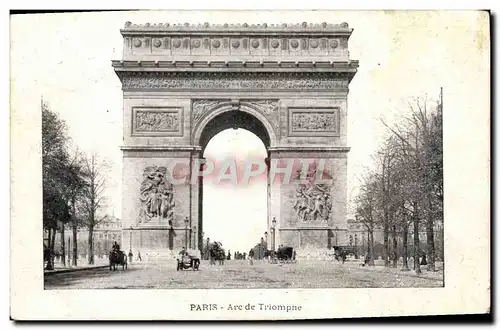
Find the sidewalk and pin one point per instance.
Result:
(58, 269)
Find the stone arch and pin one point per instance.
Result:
(227, 115)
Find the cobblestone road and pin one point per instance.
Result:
(239, 274)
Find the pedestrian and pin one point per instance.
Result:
(250, 256)
(130, 256)
(139, 255)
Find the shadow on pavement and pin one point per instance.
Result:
(59, 281)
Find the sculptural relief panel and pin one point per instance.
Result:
(313, 122)
(313, 200)
(157, 121)
(156, 196)
(269, 108)
(200, 108)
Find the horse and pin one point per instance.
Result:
(269, 255)
(340, 254)
(216, 253)
(117, 258)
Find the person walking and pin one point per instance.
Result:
(250, 256)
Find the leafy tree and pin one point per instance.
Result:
(54, 162)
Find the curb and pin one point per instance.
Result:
(69, 270)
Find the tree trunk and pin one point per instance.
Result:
(63, 245)
(371, 248)
(75, 245)
(394, 247)
(50, 261)
(416, 246)
(431, 252)
(386, 243)
(405, 248)
(75, 234)
(91, 245)
(52, 235)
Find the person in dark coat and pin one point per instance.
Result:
(250, 256)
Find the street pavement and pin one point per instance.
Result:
(240, 274)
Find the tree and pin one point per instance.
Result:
(406, 186)
(62, 181)
(387, 195)
(54, 165)
(93, 199)
(76, 189)
(366, 211)
(420, 147)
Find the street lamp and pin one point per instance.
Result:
(194, 237)
(273, 227)
(356, 245)
(186, 222)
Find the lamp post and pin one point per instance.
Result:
(186, 222)
(130, 235)
(273, 227)
(194, 238)
(356, 245)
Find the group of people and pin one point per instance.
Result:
(240, 256)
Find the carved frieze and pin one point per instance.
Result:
(201, 108)
(311, 122)
(269, 108)
(156, 196)
(284, 81)
(157, 121)
(314, 122)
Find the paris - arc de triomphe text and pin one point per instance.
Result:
(183, 84)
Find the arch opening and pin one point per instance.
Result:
(234, 119)
(235, 213)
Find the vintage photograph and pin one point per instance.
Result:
(181, 150)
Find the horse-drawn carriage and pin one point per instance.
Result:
(216, 253)
(341, 252)
(190, 259)
(285, 254)
(117, 257)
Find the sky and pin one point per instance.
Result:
(66, 59)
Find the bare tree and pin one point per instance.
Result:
(93, 200)
(420, 146)
(385, 159)
(366, 211)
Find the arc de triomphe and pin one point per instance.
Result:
(183, 84)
